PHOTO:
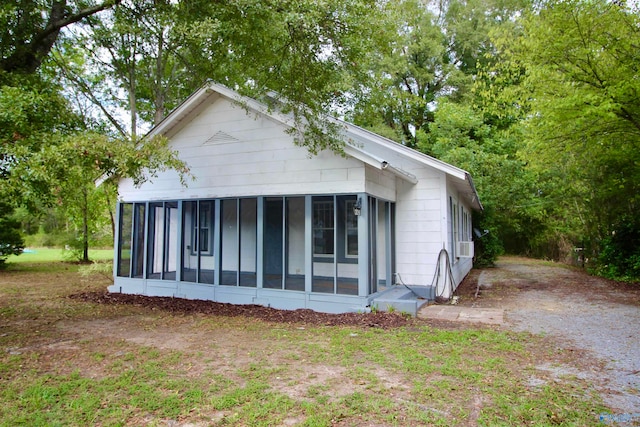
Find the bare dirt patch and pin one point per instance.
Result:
(593, 317)
(514, 275)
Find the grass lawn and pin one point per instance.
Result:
(64, 361)
(32, 255)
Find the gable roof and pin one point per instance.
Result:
(359, 142)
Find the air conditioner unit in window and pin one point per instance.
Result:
(465, 250)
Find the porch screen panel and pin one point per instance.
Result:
(382, 244)
(273, 242)
(138, 240)
(347, 245)
(295, 243)
(156, 240)
(229, 242)
(323, 220)
(373, 245)
(124, 240)
(248, 241)
(171, 241)
(205, 247)
(189, 241)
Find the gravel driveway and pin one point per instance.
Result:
(582, 312)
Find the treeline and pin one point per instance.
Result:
(538, 100)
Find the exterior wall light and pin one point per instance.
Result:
(357, 208)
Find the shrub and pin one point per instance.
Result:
(487, 246)
(620, 251)
(11, 242)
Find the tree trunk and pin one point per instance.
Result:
(132, 102)
(111, 214)
(158, 81)
(85, 227)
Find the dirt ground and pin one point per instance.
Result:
(596, 319)
(591, 314)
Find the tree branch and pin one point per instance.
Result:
(58, 21)
(29, 54)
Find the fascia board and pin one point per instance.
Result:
(378, 163)
(358, 133)
(404, 151)
(181, 112)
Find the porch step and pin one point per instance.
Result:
(403, 299)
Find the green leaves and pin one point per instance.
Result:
(570, 77)
(149, 56)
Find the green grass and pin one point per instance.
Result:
(68, 362)
(54, 255)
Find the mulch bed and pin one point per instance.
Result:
(381, 320)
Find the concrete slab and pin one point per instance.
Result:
(455, 313)
(403, 299)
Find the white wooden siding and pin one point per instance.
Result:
(418, 225)
(461, 266)
(381, 184)
(255, 157)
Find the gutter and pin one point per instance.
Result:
(384, 165)
(379, 163)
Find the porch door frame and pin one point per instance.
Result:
(368, 245)
(364, 248)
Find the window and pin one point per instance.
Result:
(453, 233)
(229, 242)
(335, 219)
(466, 235)
(138, 240)
(351, 229)
(323, 228)
(202, 241)
(156, 240)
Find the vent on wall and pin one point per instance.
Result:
(220, 137)
(465, 250)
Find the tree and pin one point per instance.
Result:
(31, 28)
(409, 71)
(432, 50)
(464, 135)
(427, 92)
(581, 65)
(51, 153)
(155, 53)
(70, 168)
(11, 242)
(32, 111)
(129, 61)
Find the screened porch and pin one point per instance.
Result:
(314, 244)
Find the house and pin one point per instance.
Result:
(266, 223)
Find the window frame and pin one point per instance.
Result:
(197, 228)
(339, 231)
(324, 256)
(349, 205)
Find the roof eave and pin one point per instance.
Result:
(378, 163)
(179, 114)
